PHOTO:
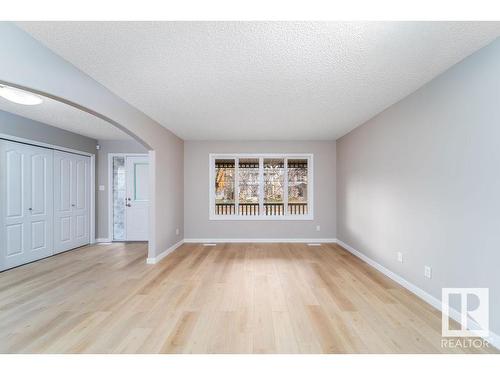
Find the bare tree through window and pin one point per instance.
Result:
(261, 186)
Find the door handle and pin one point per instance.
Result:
(72, 205)
(128, 205)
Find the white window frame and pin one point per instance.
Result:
(261, 157)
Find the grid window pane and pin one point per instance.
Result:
(297, 186)
(224, 187)
(248, 177)
(261, 186)
(274, 184)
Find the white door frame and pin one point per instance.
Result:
(110, 189)
(27, 141)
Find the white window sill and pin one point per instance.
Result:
(261, 218)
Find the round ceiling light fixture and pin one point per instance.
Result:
(19, 96)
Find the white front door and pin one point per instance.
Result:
(137, 198)
(72, 201)
(26, 202)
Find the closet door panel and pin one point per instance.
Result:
(13, 206)
(81, 208)
(39, 171)
(40, 213)
(39, 236)
(64, 166)
(25, 203)
(14, 180)
(14, 235)
(81, 184)
(63, 213)
(65, 228)
(71, 189)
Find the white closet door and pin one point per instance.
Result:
(63, 171)
(14, 206)
(81, 208)
(41, 203)
(26, 215)
(72, 201)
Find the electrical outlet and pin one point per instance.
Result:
(177, 231)
(318, 228)
(400, 257)
(428, 272)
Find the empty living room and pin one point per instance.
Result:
(243, 184)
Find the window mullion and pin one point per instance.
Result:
(236, 186)
(285, 188)
(310, 186)
(213, 174)
(261, 186)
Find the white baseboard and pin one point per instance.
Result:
(431, 300)
(163, 254)
(260, 240)
(493, 339)
(103, 240)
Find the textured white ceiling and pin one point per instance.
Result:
(66, 117)
(263, 80)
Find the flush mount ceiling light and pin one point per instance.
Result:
(19, 96)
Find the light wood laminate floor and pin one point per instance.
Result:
(232, 298)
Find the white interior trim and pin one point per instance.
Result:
(110, 189)
(110, 197)
(260, 218)
(152, 205)
(103, 240)
(260, 240)
(261, 156)
(156, 259)
(493, 339)
(92, 199)
(261, 184)
(285, 184)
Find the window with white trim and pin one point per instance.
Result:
(261, 187)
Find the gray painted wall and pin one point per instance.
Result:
(197, 224)
(107, 147)
(423, 178)
(26, 62)
(25, 128)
